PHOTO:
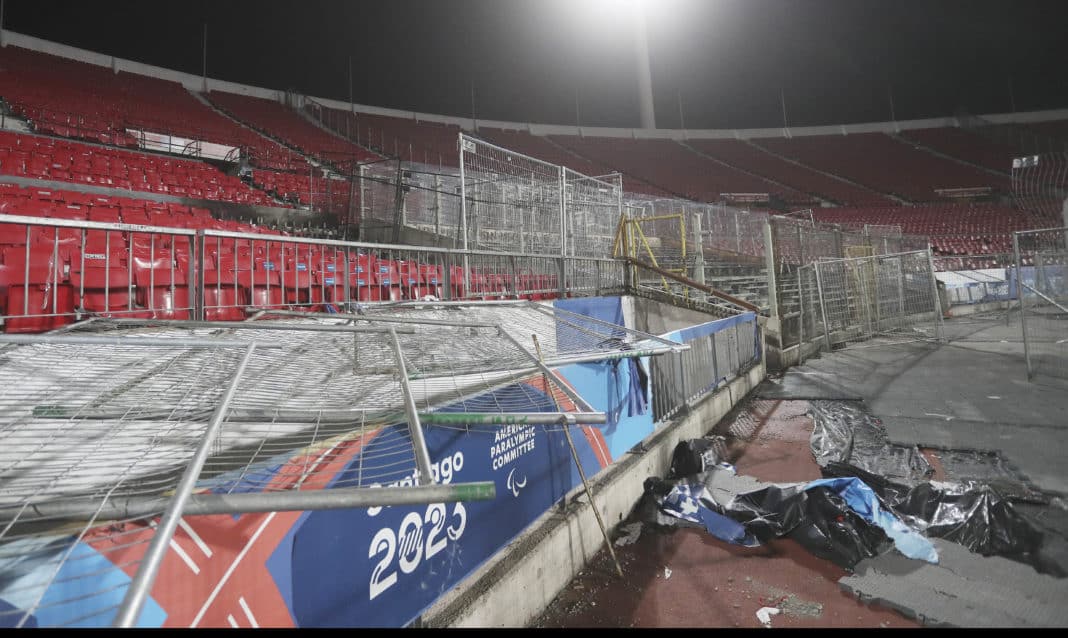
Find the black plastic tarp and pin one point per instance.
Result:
(843, 432)
(974, 515)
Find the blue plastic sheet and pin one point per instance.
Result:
(862, 500)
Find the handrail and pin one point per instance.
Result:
(693, 284)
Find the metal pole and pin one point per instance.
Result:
(567, 423)
(801, 314)
(510, 418)
(249, 325)
(563, 211)
(1020, 297)
(539, 363)
(134, 507)
(422, 456)
(96, 340)
(769, 262)
(823, 306)
(699, 263)
(937, 299)
(463, 222)
(142, 582)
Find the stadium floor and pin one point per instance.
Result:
(970, 393)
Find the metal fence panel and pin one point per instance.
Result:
(848, 301)
(1041, 282)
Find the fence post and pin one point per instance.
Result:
(769, 262)
(715, 361)
(197, 247)
(684, 393)
(699, 262)
(737, 234)
(1020, 296)
(563, 211)
(801, 314)
(437, 205)
(446, 276)
(562, 283)
(823, 305)
(937, 298)
(363, 207)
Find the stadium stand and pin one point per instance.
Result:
(277, 120)
(540, 147)
(954, 229)
(964, 145)
(307, 189)
(878, 161)
(409, 139)
(674, 168)
(68, 161)
(756, 160)
(50, 275)
(67, 98)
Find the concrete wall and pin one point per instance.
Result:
(658, 318)
(198, 83)
(517, 585)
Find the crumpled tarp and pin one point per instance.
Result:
(974, 515)
(838, 519)
(843, 432)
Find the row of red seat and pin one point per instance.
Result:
(883, 163)
(331, 195)
(756, 160)
(276, 119)
(672, 168)
(409, 139)
(954, 229)
(76, 99)
(965, 145)
(49, 158)
(51, 275)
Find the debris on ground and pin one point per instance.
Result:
(631, 533)
(764, 615)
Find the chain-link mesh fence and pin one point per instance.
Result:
(847, 301)
(1040, 280)
(509, 201)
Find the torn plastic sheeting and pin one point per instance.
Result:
(863, 500)
(780, 510)
(844, 433)
(693, 503)
(974, 515)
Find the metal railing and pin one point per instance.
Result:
(719, 351)
(55, 272)
(848, 301)
(1042, 290)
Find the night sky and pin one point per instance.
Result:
(835, 61)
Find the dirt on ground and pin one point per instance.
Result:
(688, 578)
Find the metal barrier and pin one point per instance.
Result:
(848, 301)
(1042, 289)
(719, 351)
(510, 200)
(55, 272)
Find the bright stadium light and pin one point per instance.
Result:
(623, 17)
